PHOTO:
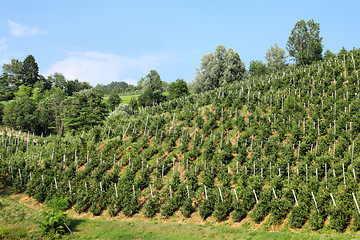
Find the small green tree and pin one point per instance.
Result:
(114, 100)
(54, 224)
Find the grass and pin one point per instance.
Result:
(126, 99)
(19, 220)
(101, 228)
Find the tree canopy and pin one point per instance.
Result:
(178, 88)
(275, 58)
(257, 67)
(218, 69)
(304, 43)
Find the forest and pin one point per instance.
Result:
(276, 142)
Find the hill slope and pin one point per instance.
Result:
(261, 151)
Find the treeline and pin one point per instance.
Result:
(53, 104)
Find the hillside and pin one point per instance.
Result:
(279, 151)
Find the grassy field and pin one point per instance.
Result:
(126, 99)
(20, 216)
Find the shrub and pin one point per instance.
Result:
(187, 208)
(152, 207)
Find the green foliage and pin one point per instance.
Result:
(299, 215)
(178, 89)
(30, 71)
(275, 58)
(58, 203)
(152, 207)
(304, 43)
(206, 208)
(187, 208)
(19, 113)
(316, 220)
(257, 68)
(53, 225)
(239, 213)
(83, 110)
(114, 100)
(218, 69)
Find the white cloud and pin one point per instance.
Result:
(96, 67)
(20, 30)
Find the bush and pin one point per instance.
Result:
(279, 210)
(152, 207)
(53, 225)
(206, 208)
(339, 218)
(316, 220)
(298, 216)
(187, 208)
(239, 212)
(356, 224)
(222, 210)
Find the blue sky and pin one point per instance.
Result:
(104, 41)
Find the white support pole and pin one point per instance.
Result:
(315, 202)
(69, 186)
(344, 174)
(274, 193)
(221, 195)
(151, 191)
(296, 201)
(257, 200)
(237, 199)
(188, 193)
(333, 200)
(357, 206)
(116, 192)
(170, 192)
(205, 192)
